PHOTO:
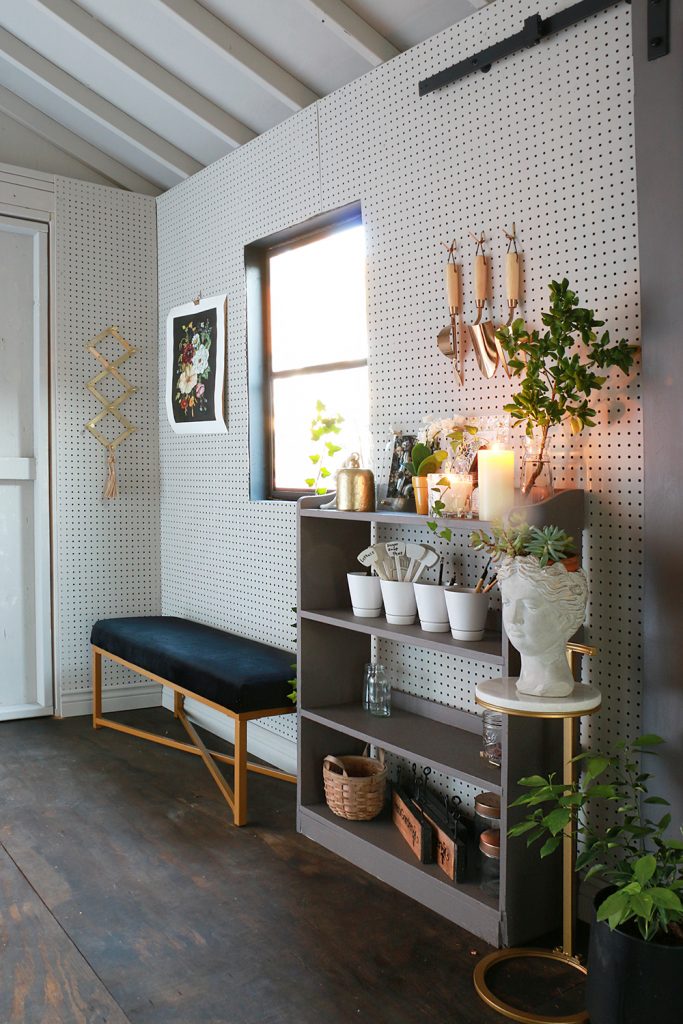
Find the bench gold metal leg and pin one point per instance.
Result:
(96, 688)
(240, 812)
(211, 765)
(178, 703)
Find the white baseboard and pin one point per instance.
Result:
(269, 746)
(114, 698)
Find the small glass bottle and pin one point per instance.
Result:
(489, 851)
(492, 737)
(368, 674)
(379, 693)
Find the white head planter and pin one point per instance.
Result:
(542, 609)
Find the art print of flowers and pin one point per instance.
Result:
(195, 369)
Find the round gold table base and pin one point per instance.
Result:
(523, 1016)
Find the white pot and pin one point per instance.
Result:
(431, 607)
(543, 606)
(366, 595)
(467, 612)
(399, 602)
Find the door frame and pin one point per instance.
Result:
(39, 468)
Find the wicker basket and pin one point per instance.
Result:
(355, 785)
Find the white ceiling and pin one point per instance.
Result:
(146, 92)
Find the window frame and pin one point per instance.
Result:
(259, 355)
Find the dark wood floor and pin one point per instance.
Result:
(127, 897)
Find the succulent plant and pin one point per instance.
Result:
(423, 460)
(516, 538)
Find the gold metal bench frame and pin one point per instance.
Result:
(236, 797)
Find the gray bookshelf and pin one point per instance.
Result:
(334, 646)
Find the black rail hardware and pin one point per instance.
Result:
(537, 28)
(657, 28)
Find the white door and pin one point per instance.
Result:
(25, 647)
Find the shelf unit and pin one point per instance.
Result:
(334, 645)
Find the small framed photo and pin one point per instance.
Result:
(196, 335)
(399, 489)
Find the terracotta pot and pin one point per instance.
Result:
(421, 492)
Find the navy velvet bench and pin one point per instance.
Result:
(241, 678)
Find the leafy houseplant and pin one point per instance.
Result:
(645, 868)
(557, 382)
(321, 426)
(423, 461)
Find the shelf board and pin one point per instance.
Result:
(392, 518)
(446, 748)
(378, 848)
(489, 649)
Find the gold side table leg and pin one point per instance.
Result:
(566, 953)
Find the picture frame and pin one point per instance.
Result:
(196, 342)
(399, 489)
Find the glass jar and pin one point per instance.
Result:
(376, 691)
(492, 737)
(486, 813)
(489, 858)
(536, 481)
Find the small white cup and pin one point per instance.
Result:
(467, 612)
(431, 607)
(399, 602)
(366, 595)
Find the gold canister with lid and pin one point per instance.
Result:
(355, 487)
(488, 805)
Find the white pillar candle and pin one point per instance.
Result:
(496, 482)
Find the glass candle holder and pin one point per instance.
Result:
(453, 489)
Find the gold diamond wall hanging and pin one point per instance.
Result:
(110, 405)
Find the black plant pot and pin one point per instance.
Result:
(631, 981)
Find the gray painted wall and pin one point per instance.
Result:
(659, 154)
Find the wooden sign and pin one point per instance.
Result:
(448, 852)
(416, 831)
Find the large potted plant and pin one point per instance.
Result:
(635, 958)
(543, 594)
(557, 378)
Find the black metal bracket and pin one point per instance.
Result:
(535, 29)
(657, 28)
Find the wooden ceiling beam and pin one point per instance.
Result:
(97, 109)
(354, 30)
(114, 48)
(56, 134)
(243, 55)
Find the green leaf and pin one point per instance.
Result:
(641, 904)
(613, 908)
(314, 458)
(324, 473)
(332, 449)
(522, 827)
(649, 740)
(309, 481)
(644, 868)
(557, 820)
(656, 800)
(666, 899)
(533, 781)
(550, 845)
(596, 766)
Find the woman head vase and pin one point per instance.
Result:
(542, 609)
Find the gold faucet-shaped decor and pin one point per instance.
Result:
(111, 407)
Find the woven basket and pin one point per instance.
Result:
(355, 785)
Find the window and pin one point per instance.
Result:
(306, 325)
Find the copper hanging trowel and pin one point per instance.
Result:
(511, 289)
(482, 335)
(447, 338)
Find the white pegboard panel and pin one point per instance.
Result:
(544, 140)
(107, 552)
(226, 561)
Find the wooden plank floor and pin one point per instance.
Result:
(126, 896)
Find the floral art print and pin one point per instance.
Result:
(195, 377)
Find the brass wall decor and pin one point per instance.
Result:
(110, 407)
(355, 487)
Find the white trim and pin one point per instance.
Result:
(15, 711)
(17, 469)
(114, 698)
(262, 743)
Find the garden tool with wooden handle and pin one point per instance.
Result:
(446, 339)
(482, 335)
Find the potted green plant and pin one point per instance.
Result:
(543, 594)
(422, 462)
(558, 380)
(635, 959)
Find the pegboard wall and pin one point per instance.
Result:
(544, 140)
(106, 552)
